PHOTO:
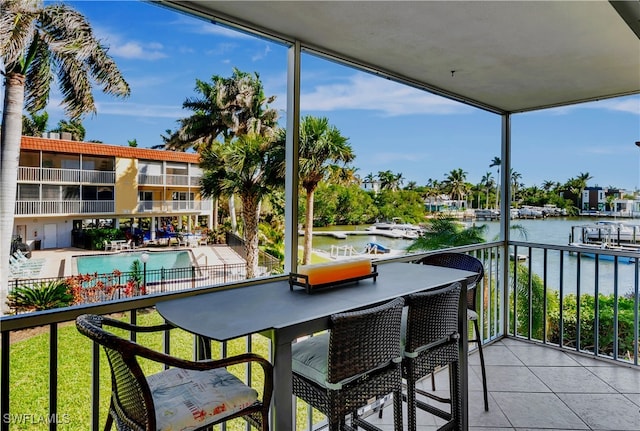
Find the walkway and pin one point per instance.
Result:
(534, 387)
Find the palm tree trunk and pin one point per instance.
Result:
(10, 153)
(308, 229)
(232, 214)
(250, 211)
(216, 202)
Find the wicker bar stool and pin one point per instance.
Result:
(468, 263)
(191, 395)
(356, 361)
(431, 341)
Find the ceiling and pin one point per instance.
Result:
(502, 56)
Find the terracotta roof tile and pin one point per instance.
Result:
(64, 146)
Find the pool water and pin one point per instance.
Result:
(107, 263)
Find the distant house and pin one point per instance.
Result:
(444, 203)
(371, 186)
(64, 186)
(607, 199)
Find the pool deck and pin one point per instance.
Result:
(57, 261)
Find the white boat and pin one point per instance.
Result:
(590, 250)
(613, 232)
(396, 230)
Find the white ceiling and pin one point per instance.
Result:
(506, 56)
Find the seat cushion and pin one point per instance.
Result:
(472, 315)
(187, 399)
(310, 358)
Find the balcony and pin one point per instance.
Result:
(61, 176)
(549, 376)
(63, 207)
(173, 206)
(168, 180)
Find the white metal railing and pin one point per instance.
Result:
(152, 180)
(173, 206)
(177, 180)
(168, 180)
(57, 175)
(543, 272)
(60, 207)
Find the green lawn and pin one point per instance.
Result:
(29, 375)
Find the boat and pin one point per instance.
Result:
(613, 232)
(589, 250)
(396, 229)
(375, 248)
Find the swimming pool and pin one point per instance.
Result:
(107, 263)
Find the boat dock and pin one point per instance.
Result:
(342, 234)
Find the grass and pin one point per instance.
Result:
(29, 375)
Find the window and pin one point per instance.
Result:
(59, 160)
(30, 158)
(50, 192)
(182, 196)
(28, 192)
(177, 169)
(95, 163)
(71, 193)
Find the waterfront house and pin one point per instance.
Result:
(65, 186)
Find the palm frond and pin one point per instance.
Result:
(17, 29)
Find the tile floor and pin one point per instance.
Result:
(533, 387)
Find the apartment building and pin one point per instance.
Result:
(65, 186)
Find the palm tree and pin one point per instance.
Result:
(38, 43)
(227, 107)
(582, 179)
(35, 124)
(497, 162)
(515, 184)
(322, 150)
(74, 127)
(250, 166)
(487, 182)
(455, 182)
(445, 232)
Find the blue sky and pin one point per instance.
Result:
(390, 126)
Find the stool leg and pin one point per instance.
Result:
(484, 373)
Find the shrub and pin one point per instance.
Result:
(41, 296)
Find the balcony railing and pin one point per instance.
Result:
(62, 207)
(173, 206)
(58, 176)
(168, 180)
(548, 285)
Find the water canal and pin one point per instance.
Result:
(554, 231)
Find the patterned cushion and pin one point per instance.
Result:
(187, 399)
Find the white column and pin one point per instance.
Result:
(291, 159)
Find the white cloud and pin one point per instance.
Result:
(628, 104)
(366, 92)
(136, 50)
(140, 110)
(261, 55)
(118, 47)
(201, 27)
(625, 104)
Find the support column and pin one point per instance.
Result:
(291, 158)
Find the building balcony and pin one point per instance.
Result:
(173, 206)
(63, 207)
(168, 180)
(62, 176)
(569, 367)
